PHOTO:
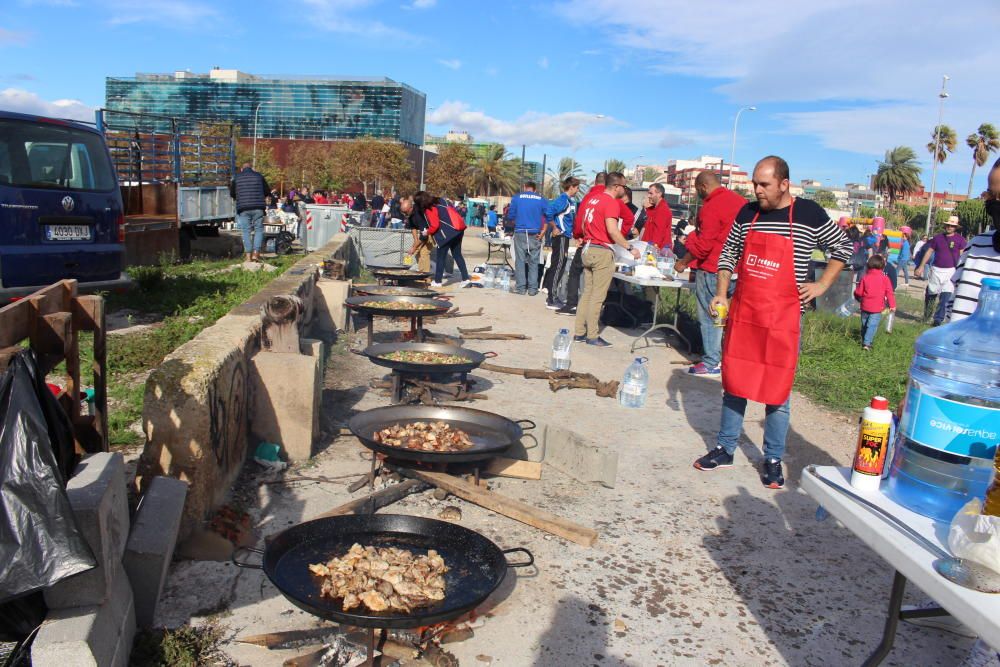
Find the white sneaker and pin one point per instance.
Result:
(464, 283)
(435, 283)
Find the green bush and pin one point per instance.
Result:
(148, 278)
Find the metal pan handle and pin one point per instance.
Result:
(531, 557)
(246, 565)
(490, 355)
(531, 424)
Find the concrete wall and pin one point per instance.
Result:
(196, 410)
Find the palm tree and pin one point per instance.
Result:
(614, 164)
(567, 167)
(942, 144)
(983, 142)
(898, 173)
(494, 171)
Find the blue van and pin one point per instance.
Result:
(61, 213)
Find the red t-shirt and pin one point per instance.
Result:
(319, 199)
(595, 213)
(659, 220)
(626, 218)
(578, 219)
(715, 219)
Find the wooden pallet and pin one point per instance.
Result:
(50, 321)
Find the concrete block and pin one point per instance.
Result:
(313, 347)
(331, 315)
(531, 447)
(97, 495)
(150, 545)
(567, 452)
(92, 635)
(287, 390)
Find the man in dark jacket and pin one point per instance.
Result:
(249, 188)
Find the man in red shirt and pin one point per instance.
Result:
(600, 214)
(659, 219)
(715, 219)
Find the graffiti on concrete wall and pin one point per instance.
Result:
(228, 399)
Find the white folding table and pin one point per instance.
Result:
(910, 559)
(657, 284)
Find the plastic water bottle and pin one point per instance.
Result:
(560, 351)
(949, 428)
(635, 384)
(489, 277)
(505, 280)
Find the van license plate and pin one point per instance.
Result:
(67, 232)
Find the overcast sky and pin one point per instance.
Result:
(835, 83)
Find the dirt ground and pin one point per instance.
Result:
(691, 568)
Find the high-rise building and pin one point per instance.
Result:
(272, 108)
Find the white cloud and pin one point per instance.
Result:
(12, 38)
(872, 61)
(532, 128)
(543, 62)
(339, 16)
(423, 4)
(450, 64)
(570, 129)
(161, 12)
(23, 101)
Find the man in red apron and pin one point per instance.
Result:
(769, 247)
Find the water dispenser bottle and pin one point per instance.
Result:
(635, 384)
(949, 428)
(560, 350)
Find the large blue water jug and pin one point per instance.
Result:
(948, 433)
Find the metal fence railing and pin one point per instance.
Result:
(379, 246)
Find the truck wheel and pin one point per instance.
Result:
(184, 245)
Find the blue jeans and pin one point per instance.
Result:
(776, 419)
(455, 247)
(711, 335)
(527, 249)
(251, 221)
(944, 298)
(869, 327)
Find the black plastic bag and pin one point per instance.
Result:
(39, 540)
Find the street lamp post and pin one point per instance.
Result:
(423, 148)
(943, 95)
(732, 154)
(255, 112)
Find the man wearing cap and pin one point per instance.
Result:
(704, 245)
(946, 247)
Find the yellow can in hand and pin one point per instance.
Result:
(719, 318)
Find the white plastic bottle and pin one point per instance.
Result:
(505, 280)
(873, 445)
(635, 384)
(560, 351)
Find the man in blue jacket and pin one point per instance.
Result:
(527, 210)
(559, 214)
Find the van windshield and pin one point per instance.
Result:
(43, 155)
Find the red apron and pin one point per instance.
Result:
(761, 345)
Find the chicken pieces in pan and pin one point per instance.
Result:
(383, 579)
(425, 436)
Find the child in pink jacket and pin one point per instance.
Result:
(874, 291)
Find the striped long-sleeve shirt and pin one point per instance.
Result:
(811, 228)
(978, 261)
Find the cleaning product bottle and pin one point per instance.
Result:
(873, 441)
(950, 425)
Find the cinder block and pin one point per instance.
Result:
(567, 452)
(150, 546)
(331, 315)
(92, 635)
(98, 497)
(287, 391)
(313, 347)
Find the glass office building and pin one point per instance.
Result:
(335, 108)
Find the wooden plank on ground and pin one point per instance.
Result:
(514, 468)
(381, 498)
(508, 507)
